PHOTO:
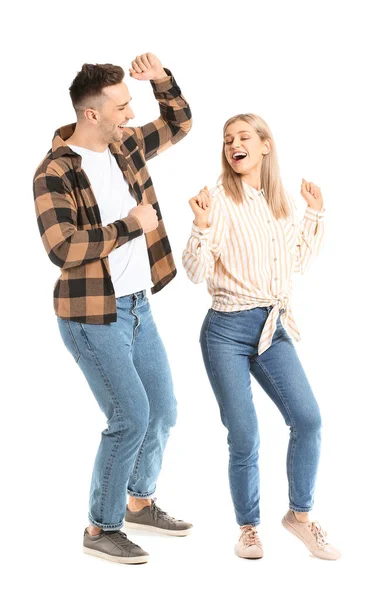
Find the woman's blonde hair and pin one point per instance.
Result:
(270, 171)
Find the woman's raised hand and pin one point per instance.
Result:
(312, 194)
(201, 207)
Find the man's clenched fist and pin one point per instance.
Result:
(147, 66)
(146, 215)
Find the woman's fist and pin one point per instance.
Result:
(312, 194)
(201, 207)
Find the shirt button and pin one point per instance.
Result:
(276, 278)
(268, 221)
(273, 240)
(275, 258)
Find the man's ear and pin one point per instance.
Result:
(91, 115)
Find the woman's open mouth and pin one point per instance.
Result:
(237, 157)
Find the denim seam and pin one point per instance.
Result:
(254, 523)
(300, 509)
(110, 527)
(294, 432)
(113, 454)
(138, 458)
(214, 376)
(135, 326)
(83, 334)
(143, 495)
(73, 340)
(134, 335)
(222, 314)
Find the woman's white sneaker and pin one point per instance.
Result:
(249, 544)
(312, 535)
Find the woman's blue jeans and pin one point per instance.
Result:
(127, 369)
(229, 343)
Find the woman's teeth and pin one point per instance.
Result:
(238, 156)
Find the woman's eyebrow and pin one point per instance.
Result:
(231, 134)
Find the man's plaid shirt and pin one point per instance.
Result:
(69, 219)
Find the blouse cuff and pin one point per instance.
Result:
(314, 215)
(200, 233)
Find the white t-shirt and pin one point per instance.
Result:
(129, 264)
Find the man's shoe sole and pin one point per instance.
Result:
(172, 532)
(126, 560)
(291, 529)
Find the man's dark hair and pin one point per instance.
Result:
(91, 80)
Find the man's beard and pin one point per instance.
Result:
(109, 134)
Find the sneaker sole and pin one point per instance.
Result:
(237, 552)
(292, 530)
(126, 560)
(172, 532)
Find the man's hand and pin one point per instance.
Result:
(146, 216)
(312, 194)
(147, 66)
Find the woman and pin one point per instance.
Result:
(246, 243)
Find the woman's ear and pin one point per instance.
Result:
(267, 147)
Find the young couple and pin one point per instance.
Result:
(100, 223)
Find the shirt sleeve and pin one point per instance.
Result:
(310, 239)
(205, 246)
(174, 122)
(66, 245)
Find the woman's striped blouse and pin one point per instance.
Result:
(248, 257)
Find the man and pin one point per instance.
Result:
(101, 224)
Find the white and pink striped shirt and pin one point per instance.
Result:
(248, 257)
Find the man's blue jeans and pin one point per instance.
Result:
(229, 343)
(127, 369)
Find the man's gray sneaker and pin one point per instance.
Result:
(152, 518)
(114, 546)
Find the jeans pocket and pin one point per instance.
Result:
(226, 314)
(68, 338)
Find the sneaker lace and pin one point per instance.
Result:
(319, 533)
(158, 512)
(119, 538)
(250, 535)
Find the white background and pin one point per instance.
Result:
(300, 65)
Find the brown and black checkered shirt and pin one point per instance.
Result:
(69, 219)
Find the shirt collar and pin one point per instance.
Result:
(59, 147)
